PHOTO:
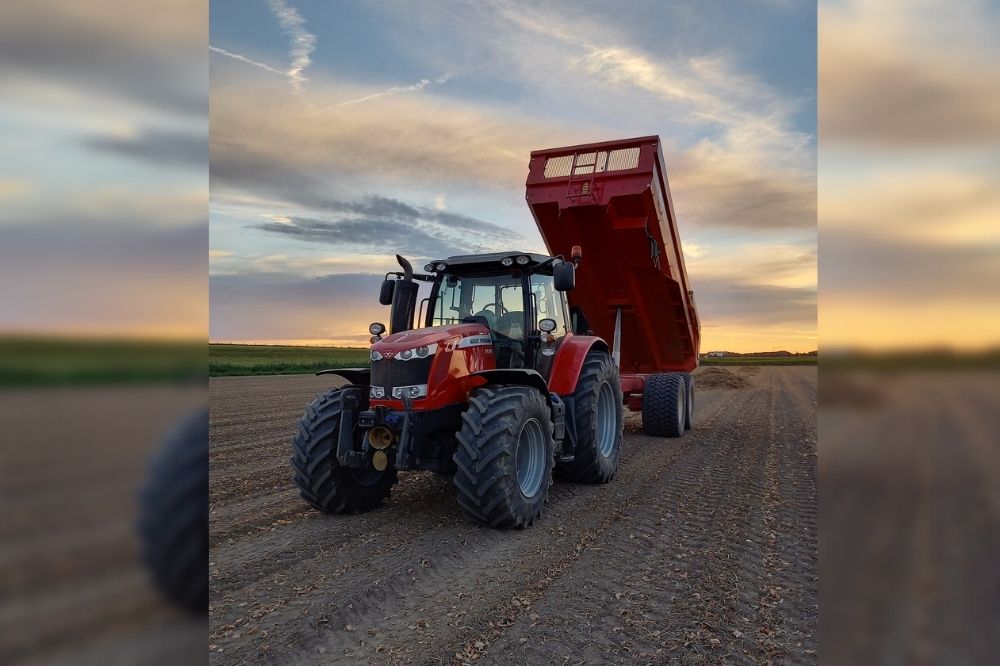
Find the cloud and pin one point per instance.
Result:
(377, 222)
(395, 90)
(98, 276)
(286, 306)
(905, 271)
(149, 54)
(258, 146)
(11, 188)
(242, 58)
(303, 42)
(895, 75)
(257, 137)
(711, 191)
(723, 302)
(160, 147)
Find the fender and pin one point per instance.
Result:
(569, 361)
(358, 376)
(517, 376)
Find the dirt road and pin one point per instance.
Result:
(701, 550)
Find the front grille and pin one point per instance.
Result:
(390, 373)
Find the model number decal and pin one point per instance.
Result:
(475, 341)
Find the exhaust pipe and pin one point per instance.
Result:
(404, 299)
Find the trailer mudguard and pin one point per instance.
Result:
(569, 361)
(358, 376)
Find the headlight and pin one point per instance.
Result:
(429, 268)
(417, 352)
(440, 267)
(375, 356)
(376, 392)
(522, 259)
(507, 261)
(376, 328)
(417, 391)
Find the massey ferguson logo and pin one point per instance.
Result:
(388, 354)
(475, 341)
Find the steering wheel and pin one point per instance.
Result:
(496, 313)
(488, 316)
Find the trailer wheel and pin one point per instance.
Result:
(664, 409)
(598, 399)
(689, 401)
(322, 481)
(173, 515)
(504, 456)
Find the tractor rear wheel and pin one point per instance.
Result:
(664, 405)
(689, 401)
(322, 481)
(598, 421)
(504, 456)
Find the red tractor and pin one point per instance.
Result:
(505, 382)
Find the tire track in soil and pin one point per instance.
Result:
(416, 581)
(618, 614)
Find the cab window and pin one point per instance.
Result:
(548, 303)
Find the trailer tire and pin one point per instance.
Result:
(173, 515)
(504, 456)
(663, 405)
(598, 421)
(689, 401)
(322, 481)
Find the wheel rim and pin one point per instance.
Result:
(682, 404)
(607, 420)
(529, 458)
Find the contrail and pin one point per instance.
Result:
(416, 87)
(303, 41)
(237, 56)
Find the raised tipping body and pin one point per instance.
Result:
(612, 199)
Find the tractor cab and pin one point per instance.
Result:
(517, 297)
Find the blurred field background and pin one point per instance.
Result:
(103, 315)
(909, 321)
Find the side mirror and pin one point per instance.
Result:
(385, 294)
(564, 276)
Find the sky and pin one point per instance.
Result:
(103, 168)
(344, 132)
(909, 174)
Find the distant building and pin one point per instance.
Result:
(717, 353)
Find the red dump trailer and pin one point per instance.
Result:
(610, 203)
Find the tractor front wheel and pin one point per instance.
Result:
(664, 405)
(504, 456)
(598, 421)
(322, 481)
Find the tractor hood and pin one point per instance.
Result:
(419, 337)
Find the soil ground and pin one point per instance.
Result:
(701, 550)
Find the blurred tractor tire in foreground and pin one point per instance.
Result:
(173, 522)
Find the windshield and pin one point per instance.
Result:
(496, 300)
